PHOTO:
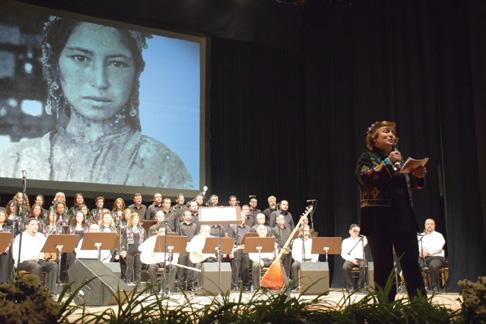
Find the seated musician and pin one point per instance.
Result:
(352, 251)
(431, 252)
(260, 220)
(160, 222)
(196, 246)
(260, 260)
(92, 254)
(155, 260)
(31, 257)
(301, 252)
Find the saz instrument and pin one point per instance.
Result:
(274, 277)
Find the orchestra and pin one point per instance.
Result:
(169, 272)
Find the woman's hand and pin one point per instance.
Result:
(395, 156)
(420, 172)
(123, 254)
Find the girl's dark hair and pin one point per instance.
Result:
(56, 34)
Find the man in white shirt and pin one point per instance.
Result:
(431, 252)
(352, 251)
(260, 260)
(31, 258)
(301, 252)
(155, 260)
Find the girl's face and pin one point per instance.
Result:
(100, 203)
(13, 208)
(127, 214)
(52, 217)
(97, 71)
(2, 217)
(79, 217)
(84, 210)
(118, 204)
(36, 211)
(135, 220)
(79, 199)
(107, 219)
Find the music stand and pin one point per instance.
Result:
(5, 241)
(99, 241)
(248, 235)
(169, 244)
(221, 245)
(59, 244)
(328, 245)
(259, 245)
(219, 215)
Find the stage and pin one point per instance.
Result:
(336, 299)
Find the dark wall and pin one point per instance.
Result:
(287, 115)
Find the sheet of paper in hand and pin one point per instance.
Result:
(411, 164)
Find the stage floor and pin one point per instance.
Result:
(334, 298)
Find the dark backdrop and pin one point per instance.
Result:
(292, 90)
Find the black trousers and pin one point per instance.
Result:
(240, 265)
(187, 278)
(347, 267)
(170, 276)
(5, 267)
(406, 248)
(134, 268)
(36, 268)
(434, 263)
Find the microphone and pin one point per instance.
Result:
(311, 200)
(24, 174)
(205, 188)
(361, 235)
(397, 165)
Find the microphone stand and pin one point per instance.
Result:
(218, 248)
(356, 244)
(17, 221)
(164, 278)
(364, 266)
(422, 258)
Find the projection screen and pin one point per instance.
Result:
(96, 106)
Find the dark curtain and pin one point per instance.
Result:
(288, 106)
(296, 133)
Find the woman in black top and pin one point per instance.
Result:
(387, 217)
(131, 239)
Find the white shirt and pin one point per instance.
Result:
(31, 247)
(297, 250)
(148, 256)
(91, 254)
(349, 253)
(433, 243)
